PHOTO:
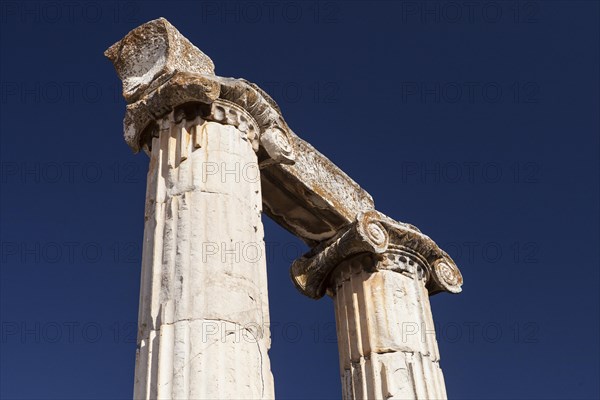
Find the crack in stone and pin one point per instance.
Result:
(262, 378)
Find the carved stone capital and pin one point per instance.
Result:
(228, 113)
(160, 70)
(393, 245)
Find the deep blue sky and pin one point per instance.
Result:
(480, 125)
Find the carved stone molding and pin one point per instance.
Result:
(228, 113)
(394, 246)
(365, 235)
(275, 142)
(161, 70)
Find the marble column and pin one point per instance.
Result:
(379, 274)
(203, 317)
(385, 331)
(203, 320)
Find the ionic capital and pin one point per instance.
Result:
(392, 245)
(161, 70)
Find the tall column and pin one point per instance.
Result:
(203, 321)
(203, 318)
(379, 273)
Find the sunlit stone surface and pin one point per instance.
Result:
(220, 151)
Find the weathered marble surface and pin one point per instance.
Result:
(151, 54)
(375, 233)
(386, 336)
(204, 318)
(379, 272)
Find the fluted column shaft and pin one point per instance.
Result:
(203, 318)
(386, 335)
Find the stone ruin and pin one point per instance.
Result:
(197, 298)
